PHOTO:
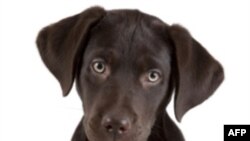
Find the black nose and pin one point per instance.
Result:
(115, 125)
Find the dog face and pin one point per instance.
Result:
(126, 65)
(124, 78)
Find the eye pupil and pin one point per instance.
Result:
(99, 67)
(153, 76)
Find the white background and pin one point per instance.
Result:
(31, 104)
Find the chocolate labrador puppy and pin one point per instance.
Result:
(126, 65)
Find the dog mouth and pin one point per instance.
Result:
(117, 138)
(138, 134)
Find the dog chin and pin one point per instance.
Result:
(114, 139)
(93, 137)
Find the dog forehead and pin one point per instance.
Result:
(128, 31)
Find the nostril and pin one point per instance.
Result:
(124, 126)
(107, 124)
(122, 130)
(109, 128)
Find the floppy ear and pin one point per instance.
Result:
(198, 73)
(61, 44)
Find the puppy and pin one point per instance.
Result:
(127, 65)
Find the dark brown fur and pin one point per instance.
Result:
(121, 104)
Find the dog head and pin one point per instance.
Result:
(126, 65)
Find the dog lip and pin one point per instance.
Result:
(130, 136)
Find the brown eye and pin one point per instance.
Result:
(99, 66)
(153, 76)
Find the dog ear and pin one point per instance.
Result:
(61, 44)
(198, 74)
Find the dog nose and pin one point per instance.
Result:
(116, 126)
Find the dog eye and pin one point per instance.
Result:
(98, 66)
(154, 76)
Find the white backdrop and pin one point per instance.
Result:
(31, 103)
